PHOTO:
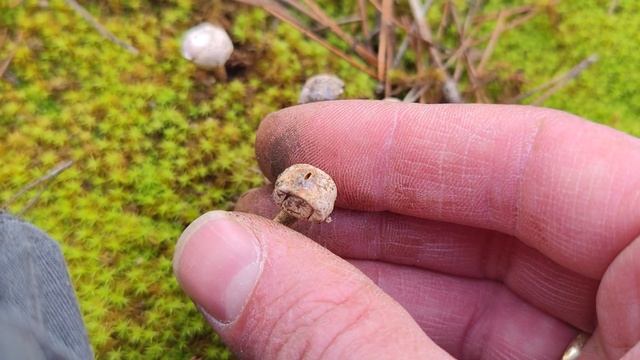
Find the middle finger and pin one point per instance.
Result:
(449, 248)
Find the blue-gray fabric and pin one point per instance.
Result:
(39, 314)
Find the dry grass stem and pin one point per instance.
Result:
(613, 6)
(4, 65)
(326, 20)
(451, 94)
(495, 35)
(55, 171)
(362, 11)
(564, 79)
(99, 28)
(281, 13)
(373, 49)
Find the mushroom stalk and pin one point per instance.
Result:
(285, 218)
(220, 73)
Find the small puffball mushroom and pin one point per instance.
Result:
(303, 191)
(209, 47)
(321, 88)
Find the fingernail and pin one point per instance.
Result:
(217, 263)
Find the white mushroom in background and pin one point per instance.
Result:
(321, 88)
(209, 47)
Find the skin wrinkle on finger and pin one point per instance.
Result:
(618, 303)
(287, 312)
(587, 213)
(479, 165)
(552, 289)
(491, 324)
(451, 249)
(388, 148)
(352, 335)
(309, 315)
(498, 251)
(526, 158)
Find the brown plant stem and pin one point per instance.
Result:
(557, 82)
(281, 13)
(385, 46)
(101, 29)
(4, 65)
(405, 41)
(395, 21)
(495, 35)
(613, 6)
(284, 218)
(517, 10)
(566, 78)
(323, 18)
(55, 171)
(362, 10)
(450, 88)
(344, 21)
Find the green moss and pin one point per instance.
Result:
(569, 32)
(155, 144)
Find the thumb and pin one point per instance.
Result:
(272, 293)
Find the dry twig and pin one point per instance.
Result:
(3, 36)
(560, 81)
(444, 66)
(362, 10)
(55, 171)
(557, 82)
(386, 43)
(326, 20)
(509, 13)
(613, 6)
(444, 21)
(31, 202)
(101, 29)
(281, 13)
(405, 41)
(4, 65)
(449, 87)
(344, 21)
(397, 23)
(495, 35)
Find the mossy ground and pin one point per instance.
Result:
(154, 144)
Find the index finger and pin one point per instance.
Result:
(565, 186)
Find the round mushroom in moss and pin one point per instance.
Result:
(209, 47)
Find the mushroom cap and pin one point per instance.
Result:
(207, 45)
(321, 88)
(305, 192)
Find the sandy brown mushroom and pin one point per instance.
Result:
(303, 191)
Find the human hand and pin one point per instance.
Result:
(502, 230)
